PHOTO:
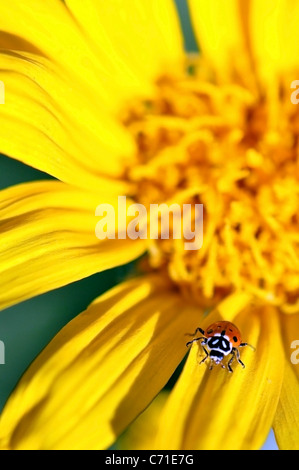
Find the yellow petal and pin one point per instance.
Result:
(286, 422)
(12, 42)
(274, 35)
(141, 435)
(48, 239)
(59, 129)
(218, 410)
(111, 48)
(218, 28)
(142, 38)
(49, 27)
(232, 305)
(101, 370)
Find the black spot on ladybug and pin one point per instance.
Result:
(235, 339)
(230, 329)
(209, 332)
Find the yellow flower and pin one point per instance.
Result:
(141, 434)
(98, 95)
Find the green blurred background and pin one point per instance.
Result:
(26, 328)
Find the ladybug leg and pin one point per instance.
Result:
(206, 356)
(197, 339)
(233, 353)
(198, 330)
(238, 358)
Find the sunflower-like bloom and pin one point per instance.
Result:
(99, 94)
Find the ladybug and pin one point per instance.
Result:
(218, 340)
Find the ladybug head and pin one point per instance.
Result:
(216, 356)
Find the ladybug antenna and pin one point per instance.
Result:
(247, 344)
(198, 330)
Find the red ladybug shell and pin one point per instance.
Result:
(231, 331)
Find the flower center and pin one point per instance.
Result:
(235, 152)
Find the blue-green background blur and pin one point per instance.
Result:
(27, 328)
